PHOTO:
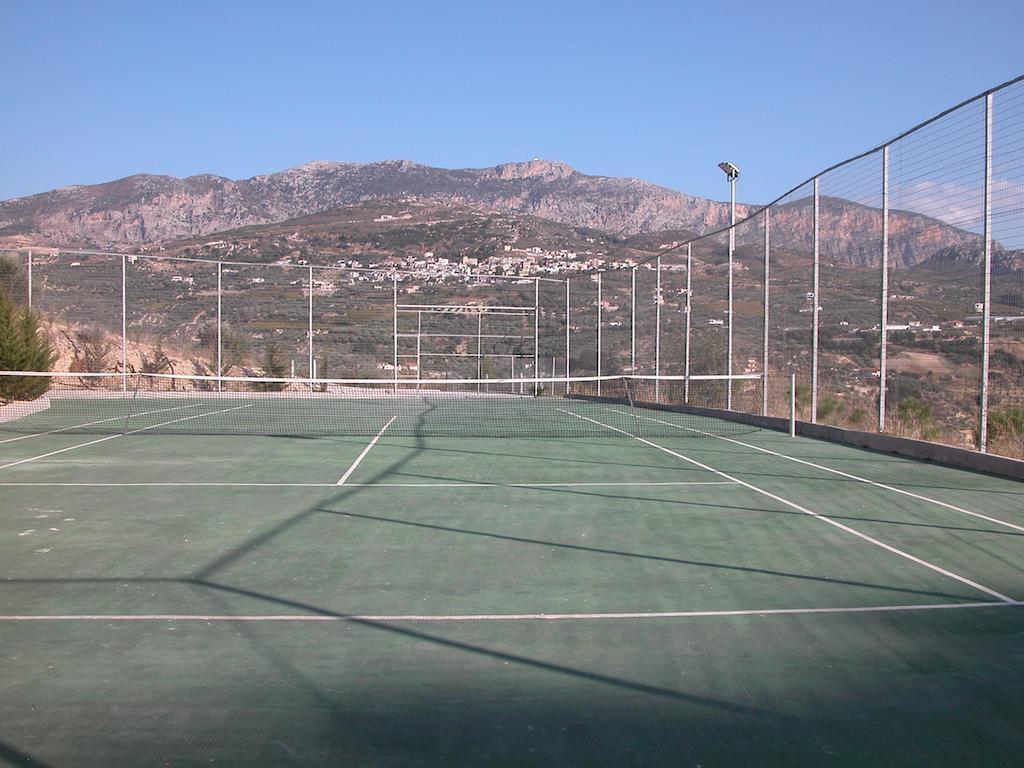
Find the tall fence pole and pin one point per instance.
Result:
(394, 326)
(657, 333)
(686, 341)
(309, 332)
(732, 249)
(765, 312)
(536, 335)
(479, 349)
(599, 333)
(124, 323)
(884, 298)
(419, 332)
(30, 279)
(816, 307)
(220, 336)
(632, 319)
(986, 312)
(567, 316)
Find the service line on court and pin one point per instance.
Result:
(367, 618)
(858, 478)
(805, 510)
(94, 423)
(114, 437)
(366, 450)
(611, 484)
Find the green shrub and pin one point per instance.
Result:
(274, 367)
(23, 347)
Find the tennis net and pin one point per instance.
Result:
(607, 406)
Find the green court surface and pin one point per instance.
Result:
(653, 600)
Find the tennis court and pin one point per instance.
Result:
(563, 582)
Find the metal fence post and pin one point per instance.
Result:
(986, 321)
(732, 249)
(567, 317)
(394, 326)
(30, 279)
(792, 405)
(536, 335)
(686, 343)
(814, 312)
(220, 339)
(884, 319)
(765, 313)
(479, 351)
(309, 366)
(599, 333)
(632, 319)
(657, 333)
(124, 323)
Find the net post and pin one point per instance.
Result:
(536, 336)
(792, 405)
(30, 279)
(686, 347)
(309, 332)
(657, 332)
(599, 333)
(814, 310)
(765, 311)
(394, 326)
(884, 298)
(632, 319)
(124, 323)
(220, 340)
(986, 311)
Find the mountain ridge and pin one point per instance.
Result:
(143, 209)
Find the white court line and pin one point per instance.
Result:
(858, 478)
(93, 423)
(812, 513)
(366, 450)
(114, 437)
(365, 485)
(305, 617)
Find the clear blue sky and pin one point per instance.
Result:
(662, 91)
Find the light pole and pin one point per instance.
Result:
(732, 173)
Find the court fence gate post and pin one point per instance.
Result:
(884, 298)
(686, 341)
(815, 308)
(986, 320)
(765, 312)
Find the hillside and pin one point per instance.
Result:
(147, 209)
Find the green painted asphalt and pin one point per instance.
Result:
(937, 687)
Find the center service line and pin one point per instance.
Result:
(366, 450)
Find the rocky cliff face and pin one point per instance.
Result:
(146, 209)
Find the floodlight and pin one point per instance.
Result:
(730, 170)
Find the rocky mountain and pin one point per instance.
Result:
(146, 209)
